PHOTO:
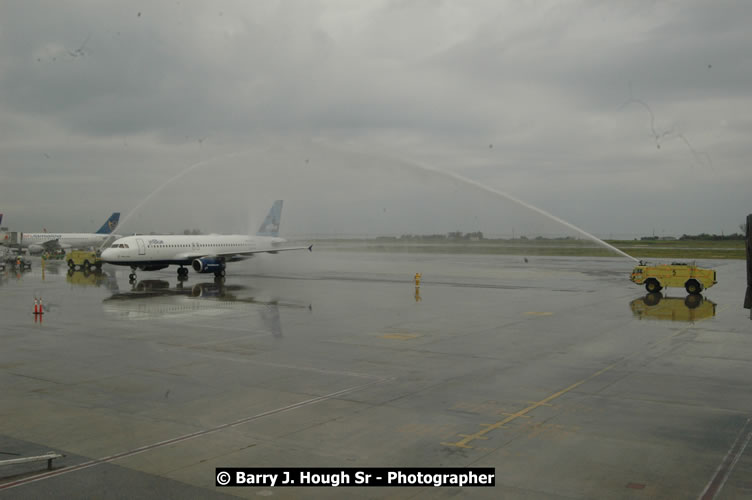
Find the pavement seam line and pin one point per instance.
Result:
(185, 437)
(467, 438)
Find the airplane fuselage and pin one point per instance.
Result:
(164, 250)
(65, 240)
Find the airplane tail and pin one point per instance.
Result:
(270, 226)
(109, 226)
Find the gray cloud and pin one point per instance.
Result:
(528, 98)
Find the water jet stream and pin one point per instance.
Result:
(408, 163)
(508, 196)
(497, 192)
(166, 183)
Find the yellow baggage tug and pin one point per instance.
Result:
(677, 274)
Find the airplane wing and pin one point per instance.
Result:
(267, 250)
(248, 253)
(51, 245)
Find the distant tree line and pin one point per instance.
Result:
(712, 237)
(455, 236)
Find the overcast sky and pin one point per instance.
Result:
(624, 118)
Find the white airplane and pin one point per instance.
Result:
(39, 242)
(205, 253)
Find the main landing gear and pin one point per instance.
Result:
(132, 276)
(182, 274)
(219, 274)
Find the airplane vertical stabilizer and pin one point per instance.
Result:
(270, 226)
(109, 226)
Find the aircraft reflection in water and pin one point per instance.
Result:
(693, 307)
(155, 299)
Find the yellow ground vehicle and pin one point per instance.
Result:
(84, 259)
(677, 274)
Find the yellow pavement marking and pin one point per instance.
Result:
(400, 336)
(467, 438)
(538, 313)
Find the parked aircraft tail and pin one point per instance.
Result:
(270, 226)
(109, 226)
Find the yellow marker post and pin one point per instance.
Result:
(417, 279)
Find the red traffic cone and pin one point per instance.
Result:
(36, 306)
(41, 307)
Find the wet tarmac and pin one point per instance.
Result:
(568, 379)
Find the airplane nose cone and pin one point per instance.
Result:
(107, 255)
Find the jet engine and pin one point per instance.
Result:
(208, 265)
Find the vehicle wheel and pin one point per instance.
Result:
(98, 265)
(132, 277)
(71, 264)
(652, 299)
(693, 300)
(692, 287)
(87, 266)
(652, 285)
